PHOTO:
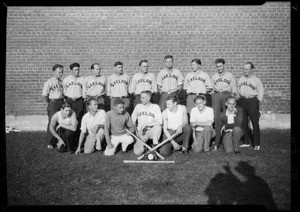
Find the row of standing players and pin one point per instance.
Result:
(76, 90)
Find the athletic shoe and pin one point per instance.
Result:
(49, 146)
(257, 147)
(237, 152)
(245, 145)
(215, 148)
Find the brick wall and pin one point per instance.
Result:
(39, 37)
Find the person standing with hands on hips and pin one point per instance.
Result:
(224, 85)
(118, 86)
(251, 92)
(142, 81)
(53, 95)
(169, 81)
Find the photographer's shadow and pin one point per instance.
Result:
(227, 189)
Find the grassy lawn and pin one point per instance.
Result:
(39, 176)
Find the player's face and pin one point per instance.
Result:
(200, 104)
(119, 69)
(97, 70)
(119, 108)
(195, 66)
(247, 70)
(169, 63)
(230, 104)
(93, 106)
(59, 73)
(67, 111)
(145, 98)
(144, 67)
(75, 71)
(171, 105)
(220, 67)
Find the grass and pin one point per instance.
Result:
(39, 176)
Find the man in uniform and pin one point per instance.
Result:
(116, 122)
(95, 85)
(92, 128)
(224, 85)
(169, 81)
(175, 120)
(251, 92)
(118, 86)
(149, 121)
(73, 92)
(142, 81)
(53, 95)
(196, 83)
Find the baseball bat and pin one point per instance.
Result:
(165, 141)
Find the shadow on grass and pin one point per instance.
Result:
(227, 189)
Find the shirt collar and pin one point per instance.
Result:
(234, 112)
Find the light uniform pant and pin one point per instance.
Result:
(231, 139)
(154, 133)
(125, 140)
(202, 139)
(93, 140)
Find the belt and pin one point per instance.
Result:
(197, 93)
(94, 96)
(253, 97)
(223, 92)
(55, 100)
(120, 97)
(73, 99)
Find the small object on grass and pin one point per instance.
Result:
(148, 161)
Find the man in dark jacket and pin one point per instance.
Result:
(231, 122)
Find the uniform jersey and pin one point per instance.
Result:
(169, 79)
(197, 82)
(142, 82)
(53, 88)
(73, 86)
(146, 114)
(224, 82)
(88, 121)
(250, 87)
(94, 86)
(117, 85)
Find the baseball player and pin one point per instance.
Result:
(116, 122)
(63, 126)
(95, 85)
(195, 83)
(175, 120)
(224, 85)
(149, 121)
(142, 81)
(231, 122)
(169, 81)
(118, 86)
(74, 89)
(53, 95)
(92, 127)
(251, 92)
(202, 118)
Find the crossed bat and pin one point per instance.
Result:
(149, 147)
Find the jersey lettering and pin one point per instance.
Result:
(248, 84)
(55, 87)
(74, 83)
(222, 80)
(94, 83)
(169, 76)
(196, 78)
(118, 82)
(144, 80)
(144, 113)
